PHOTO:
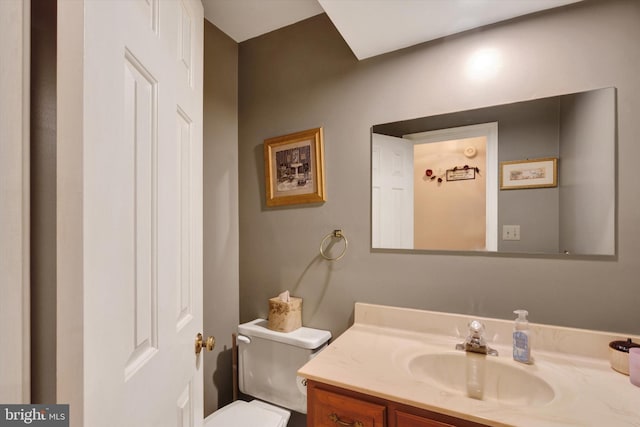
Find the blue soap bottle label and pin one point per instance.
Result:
(521, 346)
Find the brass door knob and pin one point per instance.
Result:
(208, 344)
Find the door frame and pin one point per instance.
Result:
(69, 196)
(490, 131)
(15, 20)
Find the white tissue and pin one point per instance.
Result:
(285, 297)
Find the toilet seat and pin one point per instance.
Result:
(248, 414)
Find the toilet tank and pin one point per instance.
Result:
(268, 362)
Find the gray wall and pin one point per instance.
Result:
(305, 76)
(530, 132)
(220, 205)
(586, 173)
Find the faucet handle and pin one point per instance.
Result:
(476, 328)
(475, 342)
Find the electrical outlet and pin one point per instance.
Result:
(510, 232)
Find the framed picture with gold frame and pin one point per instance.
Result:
(534, 173)
(294, 168)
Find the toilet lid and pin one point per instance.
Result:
(247, 414)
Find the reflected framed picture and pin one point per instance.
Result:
(294, 168)
(534, 173)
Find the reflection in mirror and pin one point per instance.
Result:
(435, 180)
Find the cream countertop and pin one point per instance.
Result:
(371, 358)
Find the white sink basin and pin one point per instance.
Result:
(481, 377)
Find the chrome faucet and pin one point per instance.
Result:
(475, 342)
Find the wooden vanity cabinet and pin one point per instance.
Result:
(330, 406)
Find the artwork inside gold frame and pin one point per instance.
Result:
(534, 173)
(294, 168)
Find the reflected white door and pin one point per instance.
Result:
(130, 211)
(392, 192)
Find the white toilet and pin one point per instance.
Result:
(268, 362)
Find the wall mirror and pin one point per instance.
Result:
(535, 177)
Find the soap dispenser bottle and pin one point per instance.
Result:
(521, 338)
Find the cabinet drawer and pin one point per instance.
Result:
(335, 410)
(404, 419)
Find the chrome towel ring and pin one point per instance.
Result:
(336, 234)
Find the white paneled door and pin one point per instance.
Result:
(130, 211)
(391, 192)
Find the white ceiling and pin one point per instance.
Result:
(370, 27)
(244, 19)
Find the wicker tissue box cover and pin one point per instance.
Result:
(285, 316)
